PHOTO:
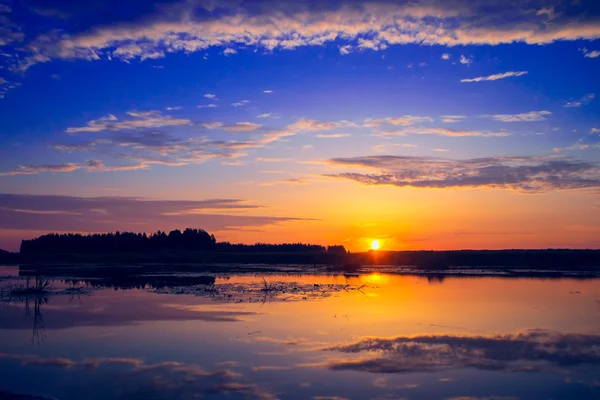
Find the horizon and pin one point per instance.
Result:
(419, 125)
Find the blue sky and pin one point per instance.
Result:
(142, 99)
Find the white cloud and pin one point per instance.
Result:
(345, 49)
(595, 130)
(266, 115)
(495, 77)
(451, 119)
(207, 106)
(228, 51)
(175, 28)
(465, 60)
(173, 108)
(140, 119)
(446, 56)
(210, 96)
(525, 117)
(240, 103)
(585, 100)
(267, 91)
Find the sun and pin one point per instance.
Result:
(375, 245)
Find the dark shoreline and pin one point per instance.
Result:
(551, 259)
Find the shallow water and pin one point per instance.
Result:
(268, 336)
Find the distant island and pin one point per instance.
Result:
(197, 246)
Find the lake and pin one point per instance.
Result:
(273, 335)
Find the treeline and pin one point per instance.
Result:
(190, 240)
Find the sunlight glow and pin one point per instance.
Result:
(375, 245)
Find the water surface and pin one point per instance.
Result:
(282, 336)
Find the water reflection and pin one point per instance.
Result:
(358, 336)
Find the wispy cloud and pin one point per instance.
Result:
(442, 132)
(240, 103)
(332, 135)
(266, 115)
(139, 119)
(89, 165)
(210, 96)
(524, 174)
(212, 105)
(595, 130)
(466, 61)
(446, 56)
(305, 125)
(451, 119)
(399, 121)
(267, 91)
(525, 117)
(67, 213)
(173, 108)
(241, 127)
(229, 51)
(496, 77)
(590, 54)
(585, 100)
(346, 49)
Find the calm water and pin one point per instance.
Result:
(373, 336)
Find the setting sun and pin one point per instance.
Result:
(375, 245)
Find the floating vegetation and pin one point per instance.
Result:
(261, 290)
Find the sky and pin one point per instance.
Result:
(422, 124)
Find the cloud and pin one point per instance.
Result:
(465, 60)
(585, 100)
(139, 119)
(189, 27)
(526, 117)
(229, 51)
(532, 350)
(442, 132)
(310, 125)
(344, 50)
(590, 54)
(267, 91)
(79, 214)
(240, 103)
(496, 76)
(332, 135)
(173, 108)
(595, 130)
(212, 125)
(241, 127)
(523, 174)
(207, 106)
(266, 115)
(210, 96)
(451, 119)
(89, 165)
(446, 56)
(400, 121)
